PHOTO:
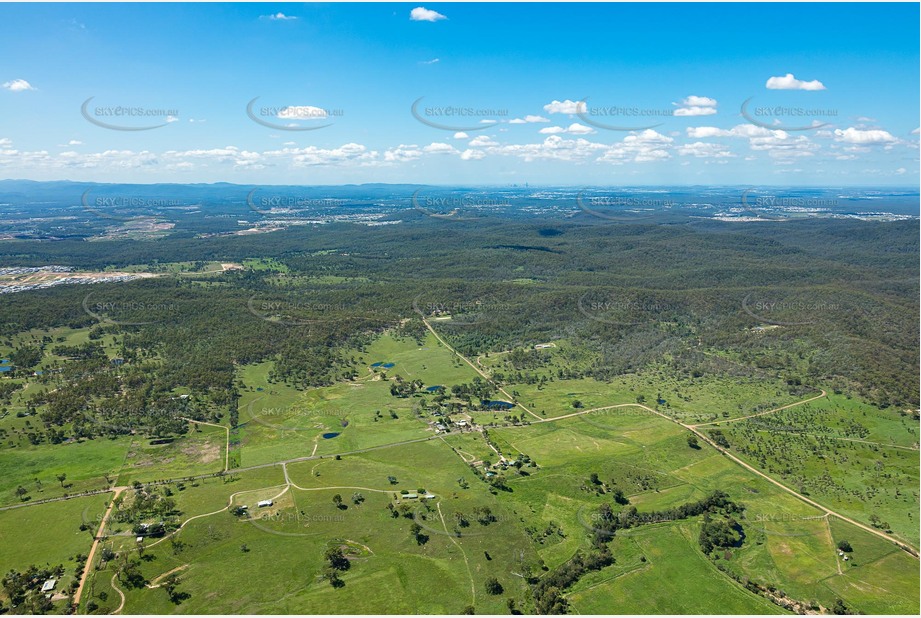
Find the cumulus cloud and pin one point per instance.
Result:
(420, 13)
(482, 140)
(788, 82)
(573, 129)
(742, 130)
(705, 150)
(439, 148)
(402, 153)
(527, 119)
(694, 105)
(695, 111)
(472, 155)
(564, 107)
(460, 135)
(870, 136)
(18, 85)
(279, 17)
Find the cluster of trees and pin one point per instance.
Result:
(719, 533)
(336, 563)
(24, 589)
(402, 388)
(548, 590)
(606, 522)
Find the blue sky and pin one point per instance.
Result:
(569, 94)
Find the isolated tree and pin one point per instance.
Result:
(337, 559)
(337, 500)
(334, 580)
(845, 546)
(62, 477)
(493, 586)
(21, 492)
(357, 498)
(692, 441)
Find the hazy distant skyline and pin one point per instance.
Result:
(663, 90)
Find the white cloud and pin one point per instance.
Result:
(482, 140)
(18, 85)
(916, 131)
(488, 121)
(564, 107)
(788, 82)
(695, 111)
(302, 112)
(742, 130)
(472, 155)
(705, 150)
(5, 141)
(527, 119)
(74, 142)
(705, 132)
(871, 136)
(402, 153)
(420, 13)
(573, 129)
(579, 129)
(350, 153)
(460, 135)
(694, 105)
(432, 61)
(439, 148)
(694, 100)
(553, 147)
(279, 17)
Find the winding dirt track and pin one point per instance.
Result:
(96, 539)
(913, 551)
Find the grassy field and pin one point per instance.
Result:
(846, 454)
(285, 543)
(827, 449)
(690, 400)
(54, 536)
(279, 422)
